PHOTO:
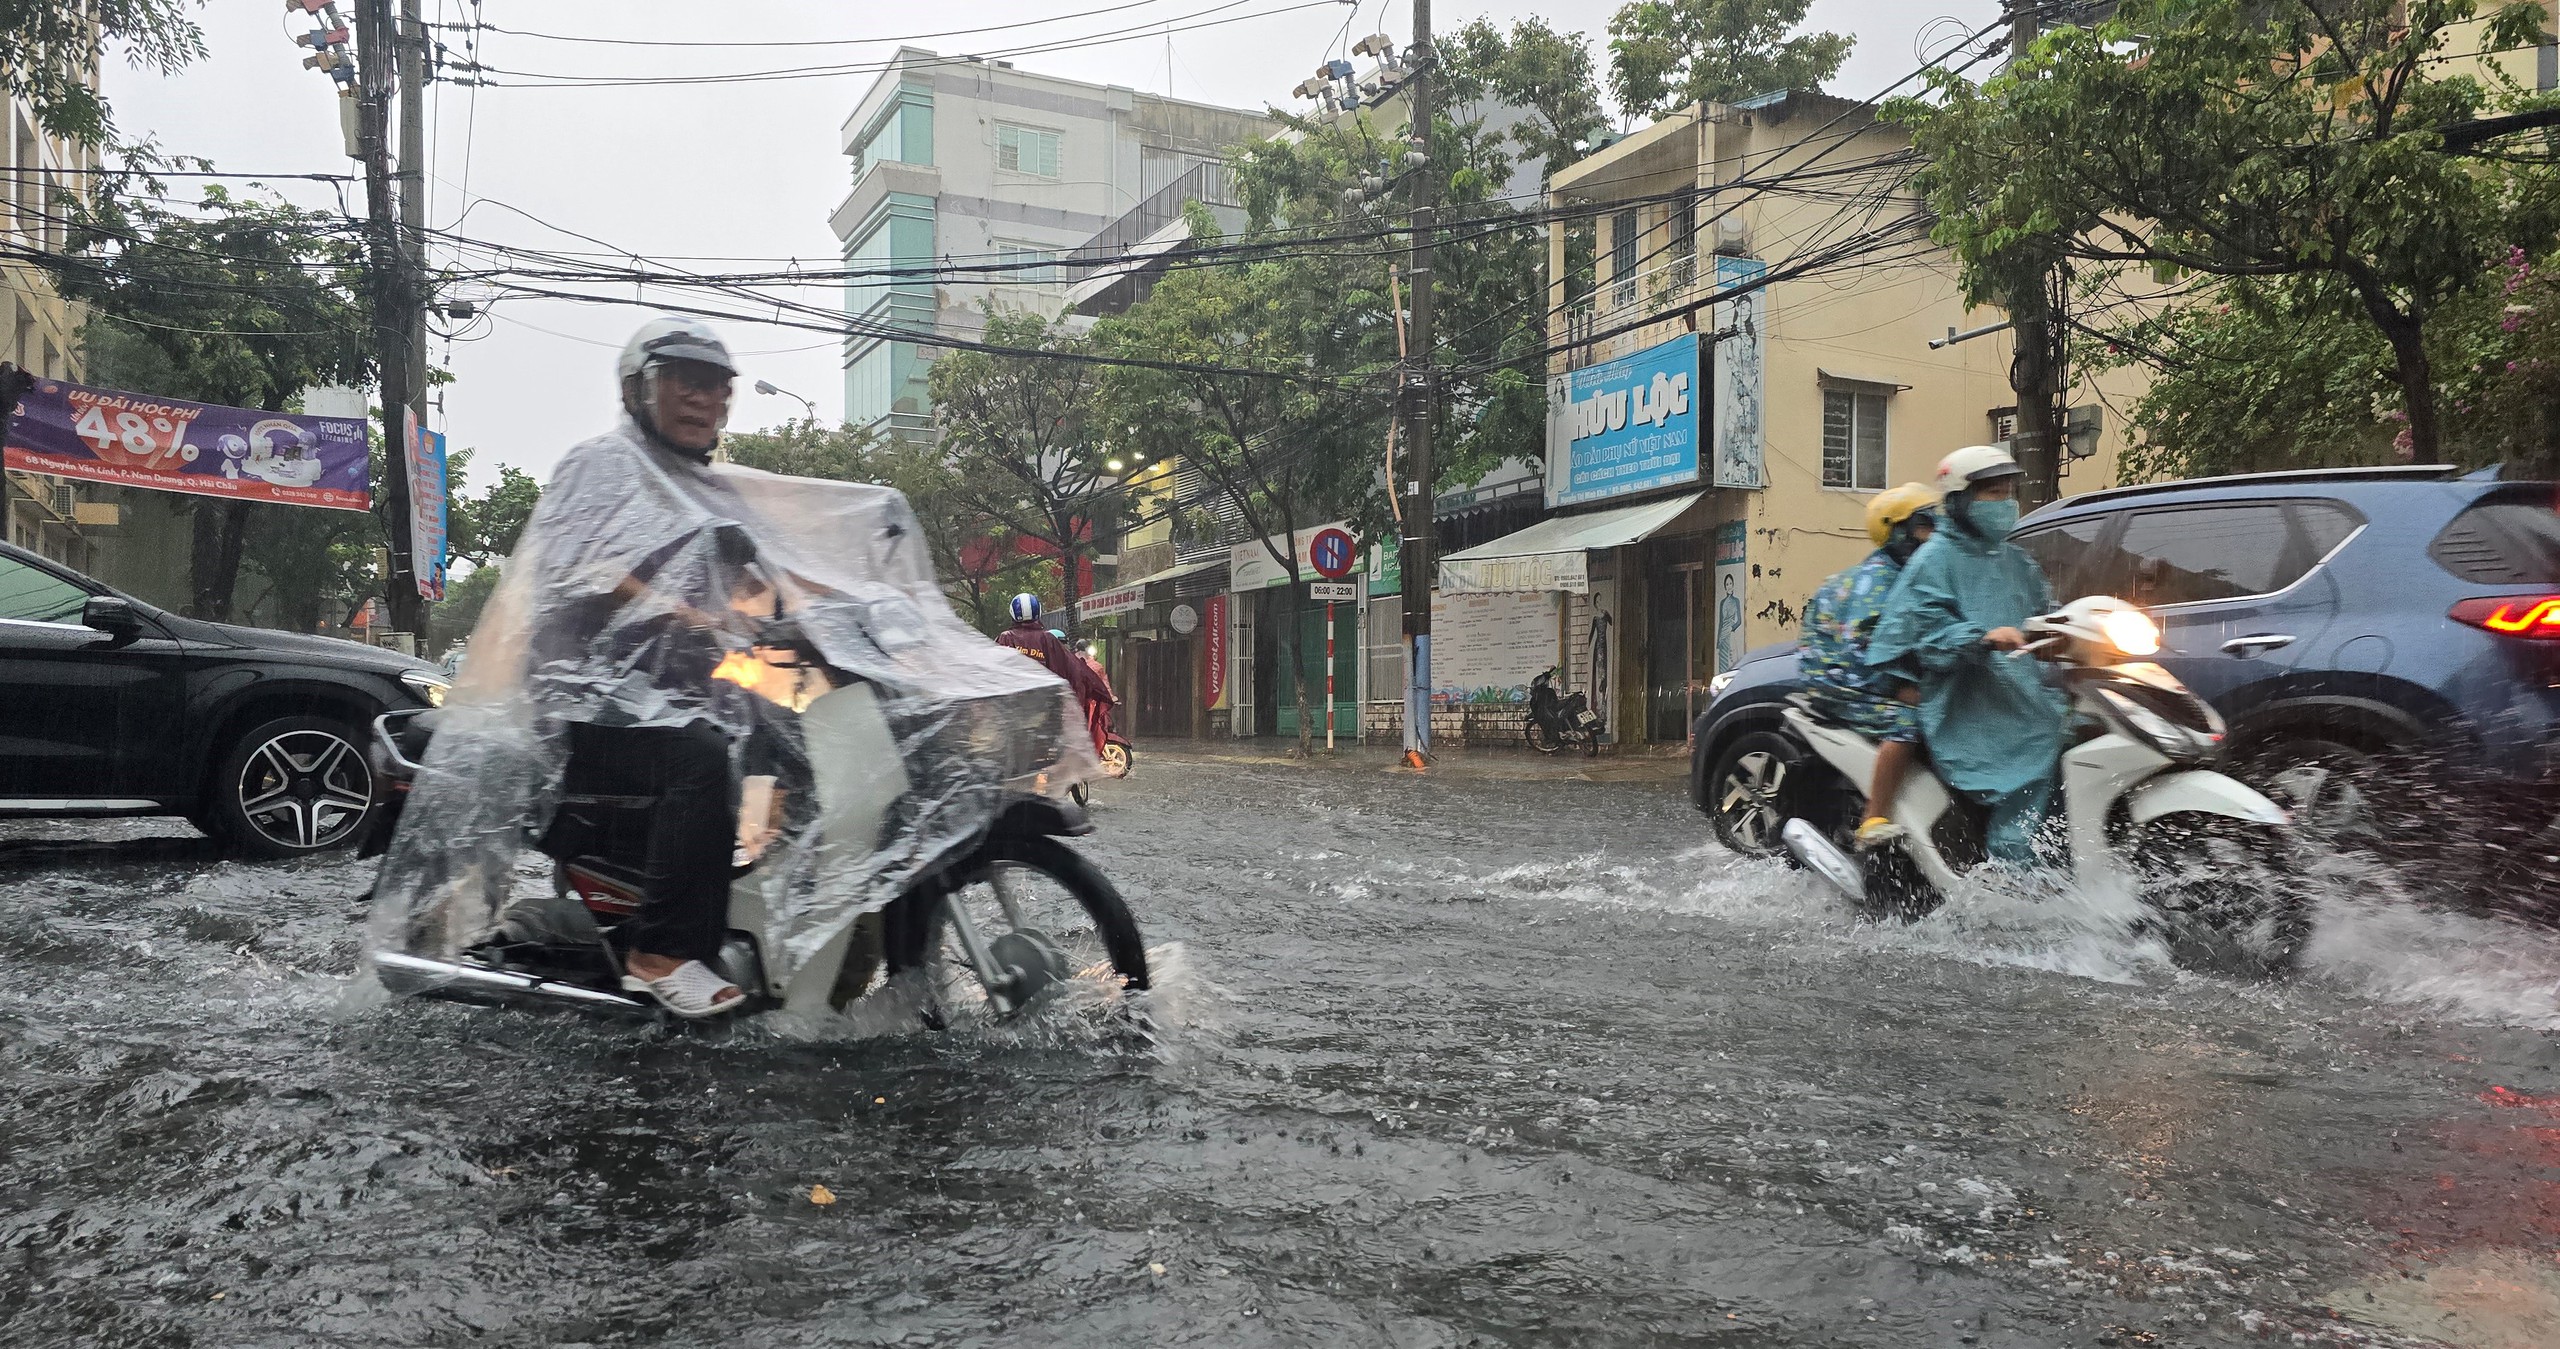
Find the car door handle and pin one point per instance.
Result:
(2255, 643)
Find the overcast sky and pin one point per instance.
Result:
(746, 171)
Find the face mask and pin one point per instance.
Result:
(1993, 519)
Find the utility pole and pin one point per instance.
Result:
(413, 261)
(2034, 370)
(393, 302)
(1418, 395)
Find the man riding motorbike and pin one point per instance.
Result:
(1838, 623)
(1031, 639)
(1993, 725)
(629, 636)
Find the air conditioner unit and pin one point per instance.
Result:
(62, 500)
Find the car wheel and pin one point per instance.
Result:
(1750, 792)
(291, 787)
(2322, 783)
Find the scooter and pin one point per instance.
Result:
(1557, 721)
(2209, 858)
(1012, 915)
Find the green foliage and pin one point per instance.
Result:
(2284, 154)
(242, 300)
(974, 557)
(49, 54)
(1537, 70)
(1028, 455)
(457, 615)
(1667, 54)
(483, 529)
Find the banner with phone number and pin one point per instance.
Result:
(171, 445)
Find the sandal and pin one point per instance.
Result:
(692, 990)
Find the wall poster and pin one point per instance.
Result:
(1731, 576)
(1740, 459)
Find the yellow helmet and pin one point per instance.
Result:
(1894, 505)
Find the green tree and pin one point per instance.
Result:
(1667, 54)
(482, 530)
(49, 55)
(1288, 453)
(240, 300)
(977, 562)
(1537, 71)
(457, 615)
(2296, 146)
(1028, 453)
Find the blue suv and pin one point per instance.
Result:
(2340, 620)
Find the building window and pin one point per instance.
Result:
(1023, 149)
(1853, 439)
(1018, 254)
(1623, 232)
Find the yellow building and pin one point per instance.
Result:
(39, 332)
(1708, 464)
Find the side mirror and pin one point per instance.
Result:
(111, 614)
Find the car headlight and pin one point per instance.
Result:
(1722, 681)
(429, 688)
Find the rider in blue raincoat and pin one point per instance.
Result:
(1839, 621)
(1994, 727)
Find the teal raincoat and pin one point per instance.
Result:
(1992, 724)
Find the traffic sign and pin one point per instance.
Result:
(1331, 551)
(1330, 591)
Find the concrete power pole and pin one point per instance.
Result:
(1418, 394)
(413, 256)
(387, 266)
(2034, 375)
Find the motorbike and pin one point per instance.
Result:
(1111, 747)
(1012, 916)
(1556, 721)
(2209, 858)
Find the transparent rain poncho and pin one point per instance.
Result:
(650, 590)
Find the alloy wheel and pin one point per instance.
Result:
(1748, 799)
(305, 790)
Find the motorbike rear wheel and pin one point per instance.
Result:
(1043, 912)
(1540, 738)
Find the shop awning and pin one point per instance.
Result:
(1555, 554)
(1127, 595)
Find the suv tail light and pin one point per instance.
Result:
(2531, 616)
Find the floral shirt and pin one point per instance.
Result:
(1837, 624)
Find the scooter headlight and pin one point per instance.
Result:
(2132, 632)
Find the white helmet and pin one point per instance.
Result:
(1974, 464)
(673, 337)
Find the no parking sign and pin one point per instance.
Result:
(1331, 551)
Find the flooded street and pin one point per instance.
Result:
(1448, 1062)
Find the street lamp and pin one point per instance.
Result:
(770, 389)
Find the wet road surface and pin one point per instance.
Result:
(1448, 1062)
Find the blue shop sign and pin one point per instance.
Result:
(1630, 425)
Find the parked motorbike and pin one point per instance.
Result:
(1012, 915)
(1556, 721)
(2209, 858)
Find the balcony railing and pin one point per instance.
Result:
(1626, 299)
(1207, 182)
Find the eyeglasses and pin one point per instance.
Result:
(695, 377)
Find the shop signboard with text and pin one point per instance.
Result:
(1624, 426)
(171, 445)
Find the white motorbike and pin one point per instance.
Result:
(2206, 855)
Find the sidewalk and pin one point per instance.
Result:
(1645, 764)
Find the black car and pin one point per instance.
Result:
(2338, 619)
(109, 706)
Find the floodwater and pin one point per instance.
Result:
(1443, 1062)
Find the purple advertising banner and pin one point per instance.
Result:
(171, 445)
